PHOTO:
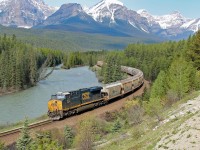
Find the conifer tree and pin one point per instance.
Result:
(69, 136)
(159, 86)
(180, 75)
(90, 61)
(194, 50)
(154, 108)
(33, 68)
(117, 126)
(24, 141)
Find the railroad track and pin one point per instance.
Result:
(31, 126)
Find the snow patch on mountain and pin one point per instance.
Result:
(173, 22)
(167, 21)
(98, 11)
(144, 30)
(40, 5)
(133, 24)
(188, 24)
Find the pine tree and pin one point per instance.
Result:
(68, 136)
(154, 108)
(159, 86)
(90, 61)
(180, 75)
(194, 50)
(33, 68)
(117, 126)
(24, 141)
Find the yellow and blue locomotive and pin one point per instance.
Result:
(68, 103)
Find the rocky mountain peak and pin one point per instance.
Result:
(105, 9)
(71, 7)
(23, 13)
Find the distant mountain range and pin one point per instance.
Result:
(108, 17)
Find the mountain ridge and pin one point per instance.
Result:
(110, 17)
(24, 13)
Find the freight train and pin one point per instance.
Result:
(68, 103)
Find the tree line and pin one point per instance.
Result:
(73, 59)
(21, 65)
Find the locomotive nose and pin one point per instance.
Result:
(53, 105)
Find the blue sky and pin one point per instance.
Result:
(189, 8)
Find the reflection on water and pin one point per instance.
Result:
(32, 102)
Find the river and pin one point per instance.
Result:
(32, 102)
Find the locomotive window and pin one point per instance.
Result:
(53, 97)
(60, 96)
(95, 92)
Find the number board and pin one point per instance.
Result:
(86, 96)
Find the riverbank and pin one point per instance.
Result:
(11, 90)
(2, 93)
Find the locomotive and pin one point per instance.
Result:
(68, 103)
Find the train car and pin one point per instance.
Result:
(112, 90)
(127, 85)
(68, 103)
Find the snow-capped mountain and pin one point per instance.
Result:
(193, 25)
(72, 17)
(114, 13)
(23, 13)
(106, 17)
(173, 24)
(105, 8)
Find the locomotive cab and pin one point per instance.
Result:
(55, 105)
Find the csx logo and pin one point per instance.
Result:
(85, 96)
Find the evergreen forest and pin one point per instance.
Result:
(22, 65)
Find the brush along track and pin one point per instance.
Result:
(31, 126)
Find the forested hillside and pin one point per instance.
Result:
(21, 65)
(172, 67)
(72, 41)
(152, 58)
